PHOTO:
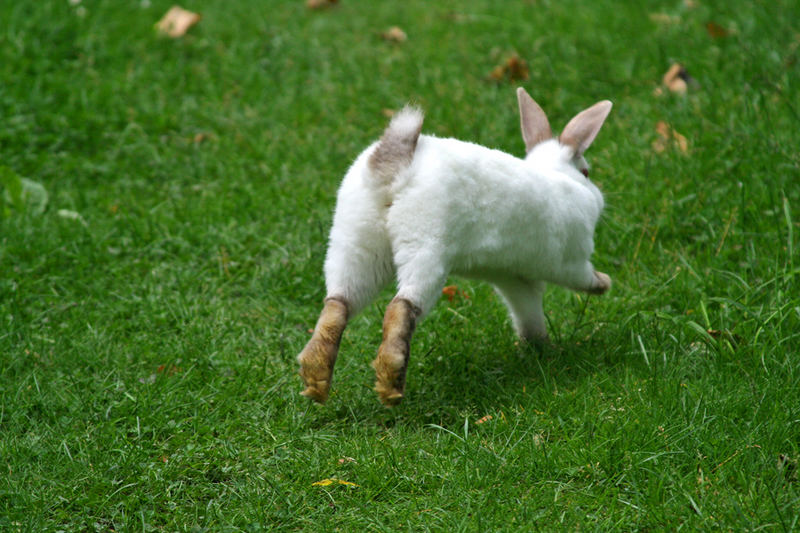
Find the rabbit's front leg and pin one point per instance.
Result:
(524, 301)
(600, 283)
(318, 357)
(392, 361)
(584, 277)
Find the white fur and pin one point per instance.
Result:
(407, 121)
(460, 208)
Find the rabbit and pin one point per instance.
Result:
(419, 208)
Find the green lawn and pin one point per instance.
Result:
(152, 305)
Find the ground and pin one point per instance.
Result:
(164, 209)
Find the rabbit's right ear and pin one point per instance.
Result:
(535, 127)
(583, 128)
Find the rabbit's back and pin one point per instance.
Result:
(488, 213)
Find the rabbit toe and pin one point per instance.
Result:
(601, 284)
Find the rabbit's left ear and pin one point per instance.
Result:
(535, 127)
(583, 128)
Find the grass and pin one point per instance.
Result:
(151, 312)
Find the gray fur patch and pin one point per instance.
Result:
(395, 151)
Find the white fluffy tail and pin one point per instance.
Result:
(395, 151)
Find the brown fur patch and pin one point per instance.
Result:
(319, 355)
(395, 151)
(392, 361)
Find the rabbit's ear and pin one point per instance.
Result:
(535, 127)
(583, 128)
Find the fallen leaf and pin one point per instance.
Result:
(663, 18)
(668, 137)
(483, 419)
(177, 21)
(331, 481)
(514, 68)
(346, 459)
(732, 338)
(320, 4)
(716, 31)
(395, 35)
(169, 370)
(201, 137)
(388, 113)
(661, 143)
(450, 292)
(676, 78)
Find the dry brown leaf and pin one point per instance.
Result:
(668, 137)
(732, 338)
(388, 113)
(177, 21)
(716, 31)
(680, 140)
(320, 4)
(201, 137)
(169, 370)
(395, 35)
(483, 419)
(514, 69)
(450, 292)
(660, 144)
(675, 79)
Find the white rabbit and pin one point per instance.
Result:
(419, 208)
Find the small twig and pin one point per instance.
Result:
(734, 455)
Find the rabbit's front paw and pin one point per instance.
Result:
(601, 283)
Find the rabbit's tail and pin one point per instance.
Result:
(395, 151)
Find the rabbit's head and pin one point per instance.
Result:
(569, 147)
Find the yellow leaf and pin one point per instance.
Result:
(331, 481)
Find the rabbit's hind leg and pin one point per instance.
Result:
(319, 355)
(420, 277)
(354, 274)
(392, 361)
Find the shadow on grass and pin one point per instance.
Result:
(447, 382)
